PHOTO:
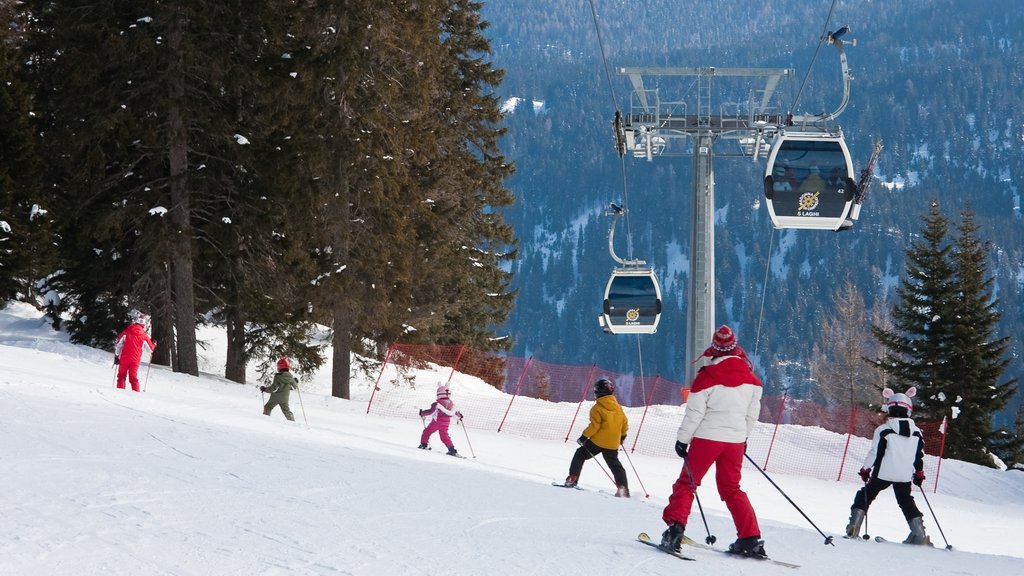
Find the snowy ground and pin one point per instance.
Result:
(189, 478)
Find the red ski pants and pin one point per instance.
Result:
(131, 371)
(728, 460)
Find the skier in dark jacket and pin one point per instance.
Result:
(280, 389)
(896, 459)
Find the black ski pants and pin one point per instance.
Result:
(866, 495)
(589, 450)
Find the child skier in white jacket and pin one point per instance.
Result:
(896, 459)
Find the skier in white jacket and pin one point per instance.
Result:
(896, 459)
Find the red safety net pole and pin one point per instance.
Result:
(462, 348)
(647, 404)
(849, 435)
(778, 418)
(519, 383)
(944, 429)
(586, 385)
(377, 382)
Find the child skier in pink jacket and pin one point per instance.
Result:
(440, 413)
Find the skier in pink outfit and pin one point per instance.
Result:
(440, 413)
(128, 350)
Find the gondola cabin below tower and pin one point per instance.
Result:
(632, 302)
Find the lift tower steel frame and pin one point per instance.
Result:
(648, 130)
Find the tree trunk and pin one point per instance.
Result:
(341, 342)
(183, 291)
(341, 308)
(234, 368)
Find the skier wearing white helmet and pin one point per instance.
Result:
(440, 413)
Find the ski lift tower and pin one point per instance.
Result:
(655, 126)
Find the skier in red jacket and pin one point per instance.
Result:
(128, 350)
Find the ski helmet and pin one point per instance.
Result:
(283, 364)
(899, 405)
(136, 317)
(603, 387)
(443, 391)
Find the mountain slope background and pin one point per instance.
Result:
(938, 82)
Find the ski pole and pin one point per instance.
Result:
(145, 383)
(864, 501)
(467, 438)
(114, 365)
(828, 539)
(939, 526)
(693, 484)
(599, 465)
(641, 482)
(299, 392)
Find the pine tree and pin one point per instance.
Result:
(25, 237)
(943, 338)
(916, 349)
(978, 355)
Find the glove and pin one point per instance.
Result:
(918, 478)
(865, 474)
(263, 388)
(581, 440)
(116, 360)
(459, 414)
(681, 449)
(423, 413)
(623, 439)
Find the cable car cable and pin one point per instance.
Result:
(619, 145)
(807, 74)
(620, 148)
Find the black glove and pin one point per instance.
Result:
(918, 478)
(623, 439)
(263, 388)
(582, 440)
(459, 414)
(865, 474)
(423, 413)
(681, 449)
(116, 360)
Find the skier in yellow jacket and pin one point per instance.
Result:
(604, 435)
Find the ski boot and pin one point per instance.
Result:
(856, 519)
(622, 492)
(917, 535)
(452, 451)
(751, 546)
(571, 481)
(424, 447)
(672, 539)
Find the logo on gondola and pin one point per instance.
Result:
(808, 201)
(632, 315)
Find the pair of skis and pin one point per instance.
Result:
(645, 539)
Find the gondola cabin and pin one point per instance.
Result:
(632, 302)
(809, 181)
